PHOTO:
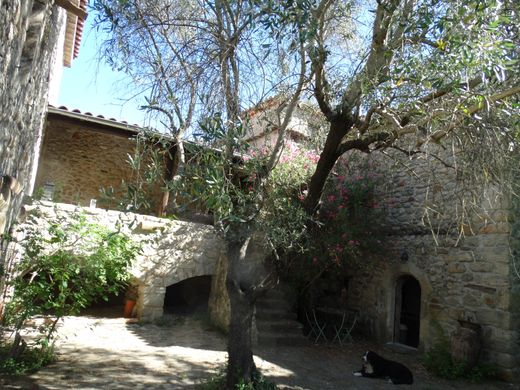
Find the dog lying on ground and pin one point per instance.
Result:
(375, 366)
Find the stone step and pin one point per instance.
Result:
(273, 303)
(280, 339)
(275, 314)
(282, 325)
(276, 322)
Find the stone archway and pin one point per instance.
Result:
(188, 296)
(178, 251)
(407, 314)
(150, 303)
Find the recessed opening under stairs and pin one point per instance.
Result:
(188, 297)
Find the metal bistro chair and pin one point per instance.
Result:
(317, 329)
(344, 331)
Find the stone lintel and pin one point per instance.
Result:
(485, 289)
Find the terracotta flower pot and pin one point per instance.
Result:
(129, 308)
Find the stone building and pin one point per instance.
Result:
(38, 37)
(171, 252)
(81, 154)
(446, 266)
(263, 119)
(442, 269)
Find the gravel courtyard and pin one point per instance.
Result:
(111, 353)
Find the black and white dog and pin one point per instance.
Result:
(375, 366)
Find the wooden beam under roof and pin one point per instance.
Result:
(74, 9)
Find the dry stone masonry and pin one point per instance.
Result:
(463, 265)
(171, 250)
(29, 33)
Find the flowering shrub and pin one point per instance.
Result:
(351, 217)
(294, 169)
(282, 217)
(350, 226)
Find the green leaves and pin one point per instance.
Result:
(67, 264)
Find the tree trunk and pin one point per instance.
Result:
(170, 171)
(241, 365)
(328, 157)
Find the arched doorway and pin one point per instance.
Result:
(188, 296)
(407, 311)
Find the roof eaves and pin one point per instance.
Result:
(86, 117)
(74, 29)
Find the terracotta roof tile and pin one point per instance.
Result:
(65, 109)
(79, 28)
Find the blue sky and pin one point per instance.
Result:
(91, 86)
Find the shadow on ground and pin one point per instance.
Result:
(109, 353)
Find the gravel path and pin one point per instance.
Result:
(110, 353)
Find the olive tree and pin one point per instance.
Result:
(427, 69)
(204, 63)
(379, 71)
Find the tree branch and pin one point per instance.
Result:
(363, 144)
(380, 56)
(318, 59)
(439, 134)
(275, 155)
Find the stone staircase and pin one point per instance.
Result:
(276, 323)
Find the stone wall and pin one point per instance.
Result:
(81, 156)
(171, 250)
(514, 299)
(29, 33)
(461, 276)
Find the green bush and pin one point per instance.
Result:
(438, 360)
(31, 359)
(67, 264)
